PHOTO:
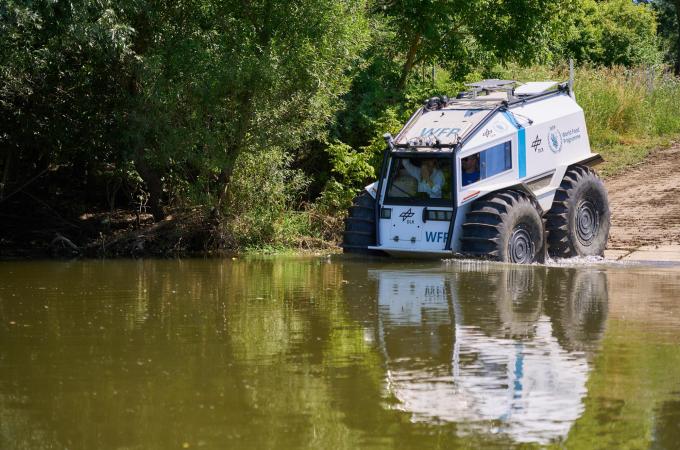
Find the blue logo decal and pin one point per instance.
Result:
(434, 236)
(555, 140)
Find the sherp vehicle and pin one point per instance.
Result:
(502, 172)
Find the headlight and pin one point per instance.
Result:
(439, 215)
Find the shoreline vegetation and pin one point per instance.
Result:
(630, 113)
(131, 130)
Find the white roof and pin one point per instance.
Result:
(446, 125)
(535, 87)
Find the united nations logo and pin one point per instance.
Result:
(555, 140)
(500, 127)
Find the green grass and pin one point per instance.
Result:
(629, 111)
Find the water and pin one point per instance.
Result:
(337, 353)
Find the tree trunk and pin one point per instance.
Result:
(154, 185)
(150, 176)
(677, 55)
(410, 58)
(223, 181)
(5, 175)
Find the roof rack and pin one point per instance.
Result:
(491, 85)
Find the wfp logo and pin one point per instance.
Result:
(555, 140)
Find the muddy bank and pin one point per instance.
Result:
(645, 202)
(107, 234)
(125, 234)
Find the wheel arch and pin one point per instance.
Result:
(523, 188)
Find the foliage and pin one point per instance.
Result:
(463, 34)
(167, 103)
(350, 169)
(668, 13)
(612, 32)
(61, 66)
(262, 191)
(180, 88)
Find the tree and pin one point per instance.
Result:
(460, 34)
(177, 89)
(607, 33)
(668, 12)
(59, 82)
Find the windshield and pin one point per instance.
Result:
(419, 180)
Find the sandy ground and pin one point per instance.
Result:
(645, 204)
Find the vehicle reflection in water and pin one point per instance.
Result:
(498, 349)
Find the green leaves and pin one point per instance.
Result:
(608, 33)
(184, 92)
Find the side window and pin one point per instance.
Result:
(495, 160)
(487, 163)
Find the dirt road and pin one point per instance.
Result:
(645, 202)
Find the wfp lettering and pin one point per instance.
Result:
(434, 236)
(425, 132)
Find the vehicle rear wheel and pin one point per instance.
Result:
(504, 226)
(360, 226)
(578, 221)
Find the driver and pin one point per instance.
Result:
(430, 177)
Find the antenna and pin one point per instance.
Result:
(571, 78)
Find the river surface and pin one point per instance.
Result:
(332, 353)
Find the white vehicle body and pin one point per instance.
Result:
(539, 135)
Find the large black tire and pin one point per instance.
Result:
(504, 226)
(578, 221)
(360, 226)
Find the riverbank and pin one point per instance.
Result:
(645, 204)
(644, 198)
(129, 234)
(290, 202)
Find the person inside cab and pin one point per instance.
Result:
(470, 169)
(430, 178)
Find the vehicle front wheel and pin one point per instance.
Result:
(360, 226)
(504, 226)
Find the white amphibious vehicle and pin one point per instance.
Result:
(502, 172)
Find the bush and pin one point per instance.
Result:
(350, 169)
(262, 193)
(612, 32)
